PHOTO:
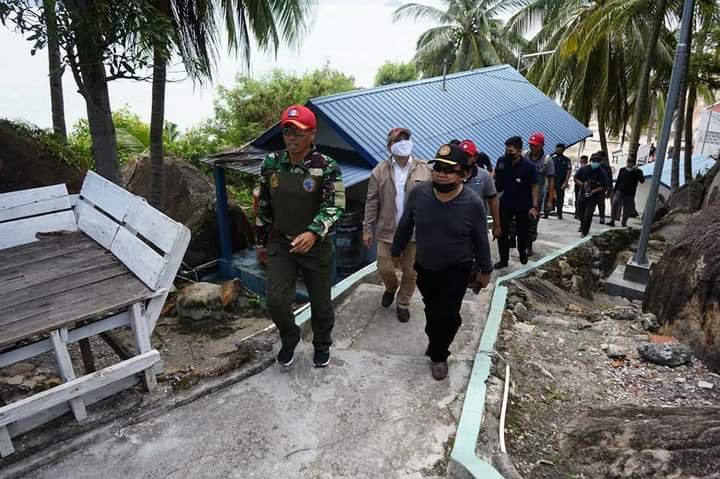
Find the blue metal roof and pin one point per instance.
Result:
(487, 105)
(701, 164)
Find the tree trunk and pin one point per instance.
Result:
(679, 123)
(55, 71)
(93, 85)
(602, 134)
(644, 85)
(689, 112)
(651, 120)
(157, 121)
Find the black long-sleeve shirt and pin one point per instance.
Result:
(627, 181)
(446, 234)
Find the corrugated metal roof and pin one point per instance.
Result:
(701, 164)
(487, 105)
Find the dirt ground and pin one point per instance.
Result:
(558, 353)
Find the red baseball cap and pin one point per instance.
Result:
(537, 139)
(468, 147)
(300, 116)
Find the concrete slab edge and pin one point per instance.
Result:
(464, 461)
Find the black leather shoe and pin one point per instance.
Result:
(439, 370)
(529, 251)
(523, 257)
(500, 265)
(403, 314)
(387, 298)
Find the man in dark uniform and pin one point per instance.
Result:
(593, 182)
(302, 195)
(583, 162)
(605, 165)
(517, 179)
(625, 188)
(481, 182)
(563, 172)
(451, 236)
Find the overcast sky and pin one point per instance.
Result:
(354, 36)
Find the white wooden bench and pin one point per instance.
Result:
(70, 273)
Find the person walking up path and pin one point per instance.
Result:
(388, 188)
(302, 195)
(546, 182)
(452, 249)
(563, 172)
(481, 182)
(593, 182)
(625, 189)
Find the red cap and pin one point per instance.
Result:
(537, 139)
(300, 116)
(468, 147)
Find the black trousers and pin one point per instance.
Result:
(577, 202)
(522, 223)
(623, 202)
(587, 208)
(442, 293)
(559, 200)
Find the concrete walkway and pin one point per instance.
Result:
(374, 412)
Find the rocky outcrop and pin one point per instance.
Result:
(644, 442)
(190, 199)
(684, 287)
(26, 163)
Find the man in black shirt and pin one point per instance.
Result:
(605, 165)
(625, 188)
(452, 248)
(563, 171)
(517, 179)
(593, 182)
(583, 162)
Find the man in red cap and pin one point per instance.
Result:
(389, 186)
(546, 181)
(302, 195)
(481, 182)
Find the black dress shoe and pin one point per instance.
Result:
(523, 257)
(529, 252)
(387, 298)
(403, 315)
(500, 265)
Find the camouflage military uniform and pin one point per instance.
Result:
(294, 199)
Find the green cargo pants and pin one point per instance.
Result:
(316, 268)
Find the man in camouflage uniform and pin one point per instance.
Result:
(302, 195)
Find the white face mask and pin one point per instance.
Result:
(402, 148)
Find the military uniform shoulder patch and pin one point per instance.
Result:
(309, 184)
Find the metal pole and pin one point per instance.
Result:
(677, 72)
(224, 265)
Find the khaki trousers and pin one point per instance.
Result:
(405, 287)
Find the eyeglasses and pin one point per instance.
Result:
(447, 169)
(295, 132)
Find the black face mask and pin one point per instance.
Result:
(445, 187)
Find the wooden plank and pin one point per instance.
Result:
(106, 195)
(95, 224)
(76, 388)
(44, 249)
(28, 424)
(67, 372)
(39, 347)
(23, 231)
(174, 259)
(34, 201)
(6, 445)
(87, 356)
(157, 228)
(142, 342)
(106, 296)
(87, 277)
(141, 259)
(39, 274)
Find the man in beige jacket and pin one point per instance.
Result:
(388, 190)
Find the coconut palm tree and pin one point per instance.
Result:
(193, 36)
(469, 35)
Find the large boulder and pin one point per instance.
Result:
(673, 225)
(684, 287)
(644, 442)
(190, 199)
(26, 162)
(689, 197)
(712, 186)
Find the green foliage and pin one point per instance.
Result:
(390, 73)
(253, 105)
(50, 143)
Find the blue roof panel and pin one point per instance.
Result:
(487, 105)
(701, 164)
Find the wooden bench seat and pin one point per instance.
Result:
(59, 281)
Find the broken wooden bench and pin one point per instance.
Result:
(67, 274)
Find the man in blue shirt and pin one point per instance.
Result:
(517, 179)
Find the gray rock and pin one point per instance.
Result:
(672, 355)
(565, 268)
(200, 302)
(705, 385)
(15, 380)
(614, 351)
(649, 322)
(18, 368)
(622, 313)
(521, 312)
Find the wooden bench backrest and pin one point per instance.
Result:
(149, 243)
(25, 213)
